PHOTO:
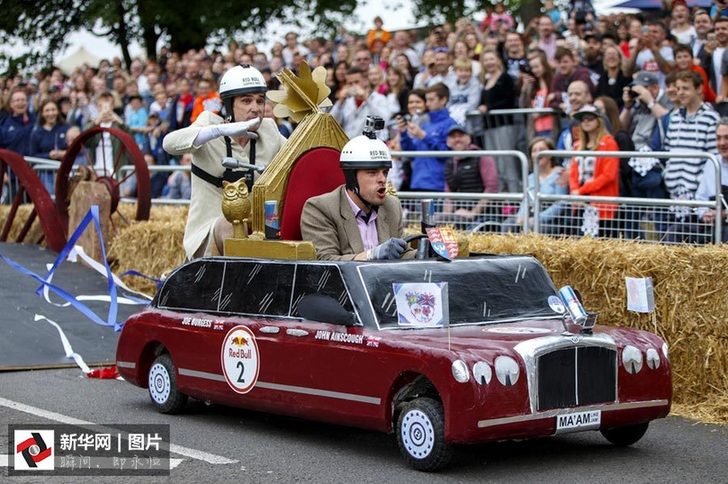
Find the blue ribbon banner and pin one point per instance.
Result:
(91, 216)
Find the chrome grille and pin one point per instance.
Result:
(576, 376)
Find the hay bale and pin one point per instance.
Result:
(689, 295)
(152, 248)
(21, 216)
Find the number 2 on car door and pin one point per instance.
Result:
(242, 369)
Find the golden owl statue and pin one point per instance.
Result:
(236, 206)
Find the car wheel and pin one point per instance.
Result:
(421, 435)
(163, 385)
(624, 436)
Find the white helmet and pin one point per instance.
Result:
(240, 80)
(362, 153)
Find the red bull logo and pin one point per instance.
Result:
(239, 341)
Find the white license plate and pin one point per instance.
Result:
(578, 421)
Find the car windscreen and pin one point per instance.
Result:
(478, 290)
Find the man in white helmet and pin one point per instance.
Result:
(358, 220)
(240, 132)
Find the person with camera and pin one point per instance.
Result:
(356, 102)
(650, 54)
(644, 103)
(358, 220)
(427, 172)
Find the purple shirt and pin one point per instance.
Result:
(367, 229)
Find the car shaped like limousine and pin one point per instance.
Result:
(437, 352)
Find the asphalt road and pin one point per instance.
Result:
(267, 448)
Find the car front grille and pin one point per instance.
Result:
(576, 376)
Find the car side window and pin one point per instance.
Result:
(193, 287)
(319, 279)
(256, 288)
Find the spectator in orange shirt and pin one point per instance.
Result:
(684, 62)
(377, 33)
(595, 175)
(206, 99)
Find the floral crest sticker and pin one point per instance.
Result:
(421, 303)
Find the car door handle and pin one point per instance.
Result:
(270, 329)
(296, 332)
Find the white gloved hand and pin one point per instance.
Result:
(233, 130)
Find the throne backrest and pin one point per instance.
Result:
(316, 172)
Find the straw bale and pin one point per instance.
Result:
(690, 297)
(21, 216)
(150, 247)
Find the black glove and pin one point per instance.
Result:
(391, 249)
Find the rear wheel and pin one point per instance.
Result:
(421, 435)
(163, 385)
(624, 436)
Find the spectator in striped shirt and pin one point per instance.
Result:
(691, 128)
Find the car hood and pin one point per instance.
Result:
(503, 337)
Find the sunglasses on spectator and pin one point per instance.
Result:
(440, 50)
(361, 59)
(587, 117)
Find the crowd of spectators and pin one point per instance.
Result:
(654, 80)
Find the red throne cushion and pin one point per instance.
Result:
(316, 172)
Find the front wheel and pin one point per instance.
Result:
(163, 385)
(624, 436)
(421, 435)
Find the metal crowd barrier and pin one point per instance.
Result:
(649, 212)
(682, 207)
(525, 116)
(511, 197)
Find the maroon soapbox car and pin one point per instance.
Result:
(437, 352)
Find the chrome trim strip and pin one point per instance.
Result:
(610, 407)
(126, 364)
(269, 329)
(319, 393)
(288, 388)
(201, 374)
(296, 332)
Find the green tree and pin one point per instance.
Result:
(187, 23)
(440, 11)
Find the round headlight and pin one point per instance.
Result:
(653, 359)
(506, 370)
(632, 359)
(482, 372)
(460, 371)
(665, 351)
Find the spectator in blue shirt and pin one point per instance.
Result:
(15, 129)
(48, 140)
(48, 137)
(136, 120)
(428, 173)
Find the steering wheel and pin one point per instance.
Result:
(424, 251)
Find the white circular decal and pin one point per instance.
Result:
(240, 359)
(518, 330)
(556, 305)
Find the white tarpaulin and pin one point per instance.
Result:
(79, 57)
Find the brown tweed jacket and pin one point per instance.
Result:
(328, 222)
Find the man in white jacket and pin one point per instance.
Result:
(240, 132)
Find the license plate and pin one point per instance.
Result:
(567, 422)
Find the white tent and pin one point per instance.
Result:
(79, 57)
